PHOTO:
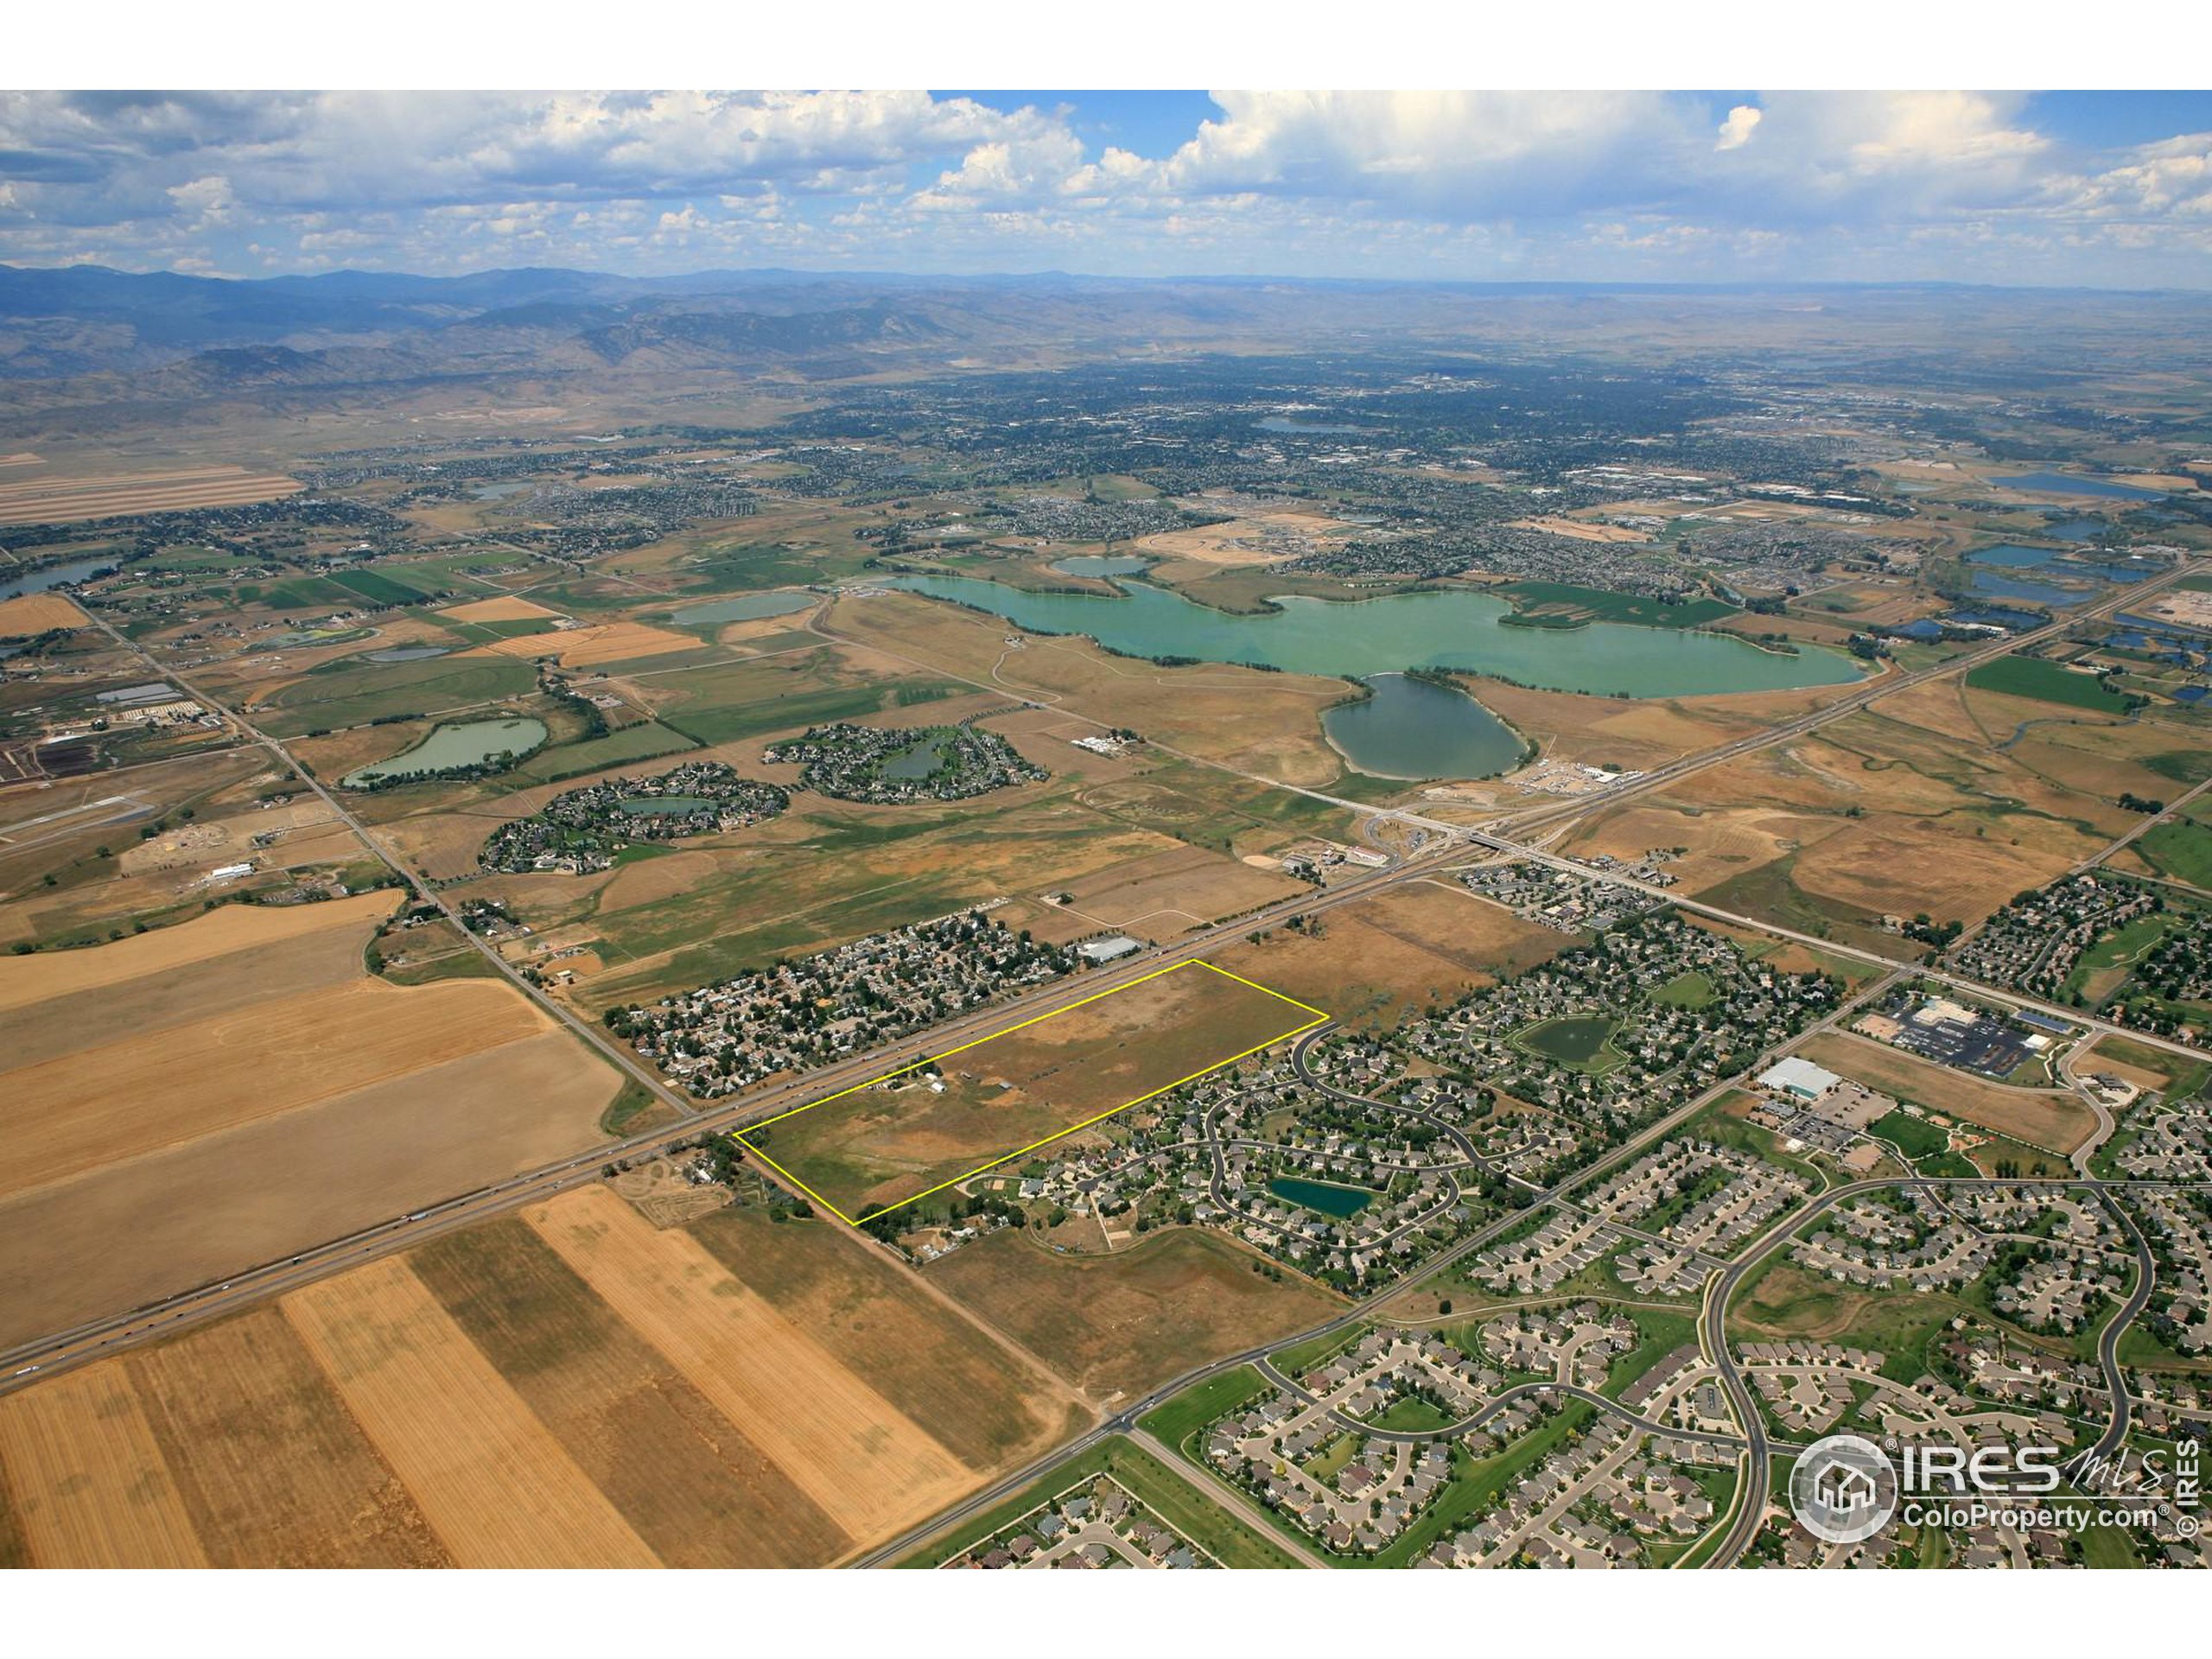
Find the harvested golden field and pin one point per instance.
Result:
(589, 647)
(2044, 1117)
(571, 1388)
(152, 1223)
(272, 1468)
(1374, 962)
(490, 1479)
(1120, 1325)
(916, 1131)
(87, 1480)
(200, 1099)
(31, 613)
(223, 931)
(863, 1462)
(57, 501)
(994, 1404)
(506, 608)
(155, 1002)
(694, 1485)
(78, 1112)
(1173, 890)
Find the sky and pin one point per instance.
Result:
(2100, 189)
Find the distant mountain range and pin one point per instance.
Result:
(91, 339)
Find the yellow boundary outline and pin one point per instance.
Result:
(743, 1135)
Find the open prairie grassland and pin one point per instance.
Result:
(1122, 1325)
(875, 1147)
(202, 1098)
(569, 1387)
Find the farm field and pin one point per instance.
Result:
(31, 613)
(571, 1388)
(2054, 1119)
(2045, 682)
(58, 500)
(161, 1142)
(920, 1129)
(1122, 1325)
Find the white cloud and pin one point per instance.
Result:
(1736, 132)
(1349, 183)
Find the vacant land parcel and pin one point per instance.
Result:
(938, 1120)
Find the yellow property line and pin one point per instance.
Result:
(743, 1135)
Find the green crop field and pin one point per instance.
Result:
(2031, 677)
(641, 742)
(352, 694)
(1542, 600)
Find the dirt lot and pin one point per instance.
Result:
(1122, 1325)
(55, 500)
(878, 1146)
(32, 613)
(2043, 1117)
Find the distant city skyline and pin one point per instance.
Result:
(2110, 189)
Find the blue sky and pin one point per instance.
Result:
(2096, 189)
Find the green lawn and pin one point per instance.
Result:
(1662, 1332)
(2180, 847)
(1197, 1406)
(1166, 1493)
(2031, 677)
(1412, 1414)
(1689, 990)
(1915, 1136)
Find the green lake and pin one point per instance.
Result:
(917, 761)
(663, 805)
(1326, 1197)
(747, 608)
(450, 748)
(1409, 729)
(1451, 628)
